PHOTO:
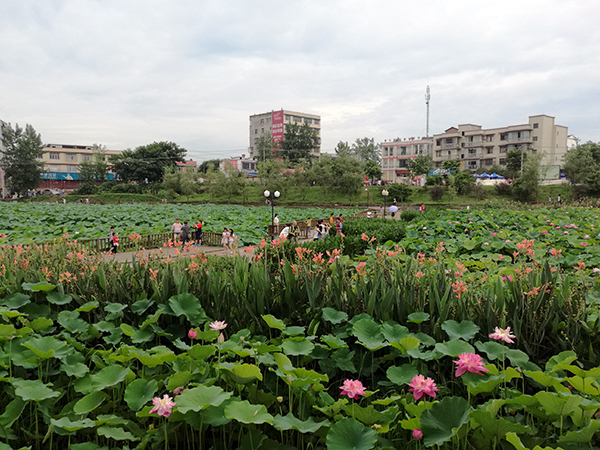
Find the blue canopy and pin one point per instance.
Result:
(494, 175)
(484, 175)
(476, 175)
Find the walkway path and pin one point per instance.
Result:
(164, 253)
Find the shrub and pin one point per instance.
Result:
(478, 192)
(401, 192)
(87, 189)
(464, 182)
(126, 188)
(503, 189)
(436, 193)
(408, 215)
(434, 180)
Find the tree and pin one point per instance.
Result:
(514, 159)
(401, 192)
(372, 170)
(581, 165)
(365, 149)
(298, 141)
(210, 164)
(419, 165)
(266, 148)
(342, 147)
(347, 174)
(526, 187)
(21, 160)
(451, 165)
(147, 163)
(270, 171)
(183, 183)
(463, 182)
(97, 168)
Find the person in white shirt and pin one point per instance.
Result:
(285, 233)
(176, 229)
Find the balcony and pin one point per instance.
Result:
(473, 155)
(449, 144)
(478, 143)
(445, 157)
(524, 140)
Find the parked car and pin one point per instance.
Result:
(48, 192)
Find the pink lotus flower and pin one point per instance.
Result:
(352, 388)
(417, 434)
(218, 325)
(502, 335)
(469, 362)
(162, 407)
(421, 386)
(192, 334)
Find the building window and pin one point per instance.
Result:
(536, 125)
(262, 121)
(489, 150)
(71, 157)
(472, 151)
(504, 136)
(54, 155)
(438, 154)
(316, 121)
(72, 169)
(449, 140)
(287, 117)
(502, 161)
(256, 131)
(535, 138)
(262, 130)
(86, 157)
(489, 138)
(503, 149)
(53, 168)
(403, 150)
(308, 121)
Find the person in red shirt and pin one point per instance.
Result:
(198, 227)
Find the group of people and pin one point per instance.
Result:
(183, 232)
(322, 228)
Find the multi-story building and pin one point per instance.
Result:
(396, 153)
(187, 166)
(62, 164)
(274, 123)
(241, 164)
(475, 147)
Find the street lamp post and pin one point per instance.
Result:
(272, 198)
(385, 193)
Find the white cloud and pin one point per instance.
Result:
(128, 73)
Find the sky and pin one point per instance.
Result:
(125, 73)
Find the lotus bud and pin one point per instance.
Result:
(221, 338)
(280, 399)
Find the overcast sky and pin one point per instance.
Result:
(126, 73)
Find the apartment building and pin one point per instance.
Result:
(241, 164)
(396, 153)
(475, 147)
(62, 164)
(274, 123)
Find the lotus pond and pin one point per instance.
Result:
(304, 347)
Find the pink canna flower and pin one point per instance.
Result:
(421, 386)
(162, 407)
(469, 362)
(417, 434)
(352, 388)
(192, 334)
(218, 325)
(502, 335)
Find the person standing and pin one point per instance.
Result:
(232, 238)
(185, 233)
(276, 223)
(199, 232)
(549, 200)
(341, 219)
(176, 229)
(331, 220)
(422, 208)
(225, 239)
(113, 240)
(558, 200)
(308, 227)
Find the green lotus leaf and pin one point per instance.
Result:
(40, 286)
(141, 306)
(74, 365)
(16, 300)
(39, 324)
(407, 344)
(244, 373)
(245, 412)
(333, 316)
(443, 419)
(139, 392)
(297, 346)
(460, 330)
(454, 347)
(350, 434)
(89, 403)
(189, 306)
(142, 336)
(402, 375)
(290, 422)
(87, 446)
(584, 435)
(201, 352)
(160, 356)
(68, 425)
(116, 433)
(47, 347)
(89, 306)
(109, 376)
(333, 342)
(7, 330)
(369, 416)
(179, 379)
(369, 334)
(394, 332)
(71, 322)
(418, 317)
(201, 397)
(293, 331)
(33, 390)
(56, 298)
(12, 412)
(127, 330)
(555, 404)
(495, 428)
(273, 322)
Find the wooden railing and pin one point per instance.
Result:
(148, 241)
(274, 230)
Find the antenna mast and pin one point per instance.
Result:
(427, 97)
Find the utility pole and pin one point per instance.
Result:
(427, 97)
